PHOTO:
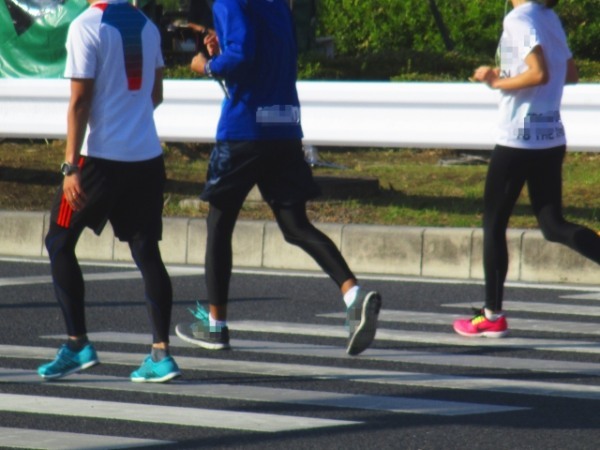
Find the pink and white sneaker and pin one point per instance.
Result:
(480, 326)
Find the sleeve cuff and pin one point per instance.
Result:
(207, 70)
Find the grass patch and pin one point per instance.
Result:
(415, 189)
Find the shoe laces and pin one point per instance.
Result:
(478, 316)
(147, 368)
(63, 358)
(200, 313)
(478, 319)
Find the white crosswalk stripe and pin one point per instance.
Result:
(270, 395)
(537, 307)
(54, 440)
(516, 324)
(433, 349)
(334, 352)
(191, 417)
(335, 373)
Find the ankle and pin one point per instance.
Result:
(215, 323)
(76, 343)
(492, 315)
(350, 295)
(159, 353)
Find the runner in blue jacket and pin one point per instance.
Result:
(259, 142)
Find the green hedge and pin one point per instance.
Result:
(400, 39)
(473, 26)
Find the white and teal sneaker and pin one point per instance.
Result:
(156, 372)
(68, 362)
(200, 333)
(361, 319)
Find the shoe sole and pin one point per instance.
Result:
(365, 331)
(72, 371)
(163, 379)
(200, 343)
(488, 334)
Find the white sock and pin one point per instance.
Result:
(214, 323)
(350, 296)
(490, 315)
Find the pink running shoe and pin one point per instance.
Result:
(479, 326)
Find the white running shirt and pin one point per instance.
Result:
(530, 118)
(119, 47)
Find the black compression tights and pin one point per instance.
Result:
(69, 285)
(159, 292)
(508, 172)
(296, 229)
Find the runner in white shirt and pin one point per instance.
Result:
(115, 65)
(530, 116)
(121, 124)
(535, 64)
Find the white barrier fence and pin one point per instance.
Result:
(373, 114)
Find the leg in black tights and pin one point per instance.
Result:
(218, 259)
(545, 192)
(297, 230)
(508, 171)
(157, 283)
(505, 179)
(67, 277)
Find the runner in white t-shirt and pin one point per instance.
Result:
(530, 116)
(535, 64)
(121, 124)
(115, 172)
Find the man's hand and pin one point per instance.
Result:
(198, 63)
(73, 192)
(211, 41)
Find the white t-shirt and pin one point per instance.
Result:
(119, 47)
(530, 118)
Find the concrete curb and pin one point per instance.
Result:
(369, 249)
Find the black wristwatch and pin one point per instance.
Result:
(68, 169)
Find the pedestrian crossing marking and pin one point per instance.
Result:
(449, 338)
(538, 307)
(429, 318)
(242, 392)
(98, 276)
(375, 354)
(55, 440)
(586, 296)
(512, 388)
(171, 415)
(388, 377)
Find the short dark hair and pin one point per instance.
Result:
(551, 3)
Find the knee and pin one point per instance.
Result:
(59, 240)
(550, 235)
(144, 250)
(551, 228)
(289, 237)
(295, 235)
(49, 243)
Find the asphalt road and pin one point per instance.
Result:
(287, 383)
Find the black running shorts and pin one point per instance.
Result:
(128, 194)
(277, 167)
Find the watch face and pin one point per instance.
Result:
(67, 169)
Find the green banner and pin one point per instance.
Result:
(33, 35)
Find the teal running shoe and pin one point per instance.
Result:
(68, 362)
(156, 372)
(200, 333)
